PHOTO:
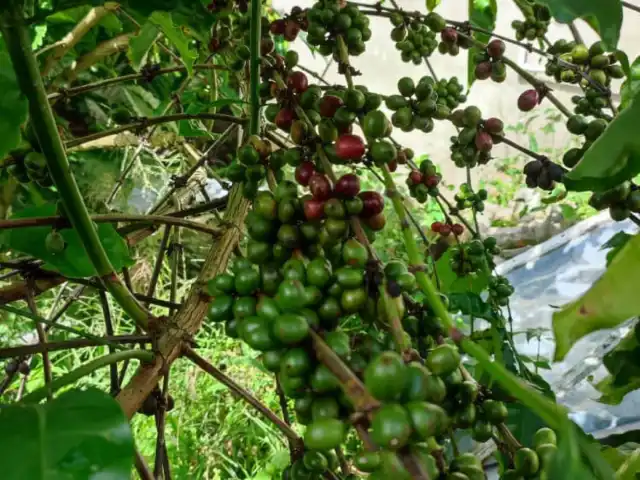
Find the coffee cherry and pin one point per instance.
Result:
(284, 119)
(298, 82)
(445, 230)
(348, 186)
(320, 186)
(373, 204)
(495, 49)
(313, 209)
(277, 27)
(483, 70)
(350, 147)
(483, 142)
(449, 35)
(329, 105)
(457, 229)
(494, 126)
(436, 227)
(528, 100)
(416, 177)
(304, 172)
(431, 180)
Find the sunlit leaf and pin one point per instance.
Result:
(73, 262)
(613, 157)
(431, 4)
(631, 85)
(604, 17)
(176, 36)
(140, 44)
(612, 300)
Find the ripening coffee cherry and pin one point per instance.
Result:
(304, 172)
(298, 82)
(284, 119)
(528, 100)
(483, 70)
(449, 35)
(348, 186)
(350, 147)
(495, 49)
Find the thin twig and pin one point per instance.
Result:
(189, 353)
(176, 255)
(344, 465)
(183, 179)
(141, 466)
(161, 447)
(21, 387)
(26, 350)
(6, 382)
(576, 34)
(283, 402)
(61, 222)
(89, 87)
(631, 6)
(108, 327)
(157, 267)
(42, 340)
(148, 122)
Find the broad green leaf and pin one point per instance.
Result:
(631, 85)
(73, 262)
(470, 304)
(612, 300)
(175, 35)
(613, 157)
(615, 243)
(79, 435)
(451, 283)
(482, 13)
(523, 423)
(614, 456)
(431, 4)
(140, 45)
(624, 371)
(605, 17)
(629, 470)
(13, 106)
(567, 462)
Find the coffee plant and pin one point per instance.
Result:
(370, 354)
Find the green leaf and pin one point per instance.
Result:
(567, 462)
(175, 35)
(451, 283)
(73, 262)
(614, 457)
(629, 469)
(13, 106)
(605, 17)
(613, 158)
(470, 304)
(482, 13)
(612, 300)
(615, 243)
(80, 434)
(431, 4)
(523, 423)
(140, 45)
(624, 370)
(631, 85)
